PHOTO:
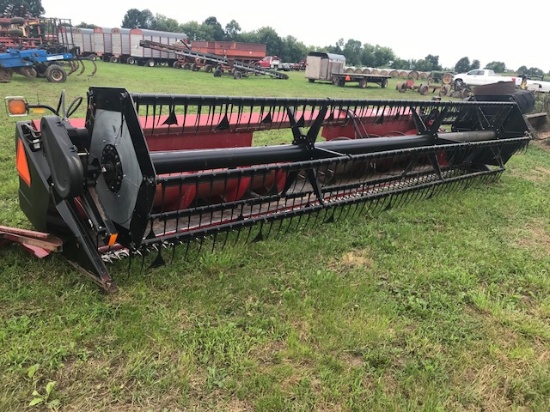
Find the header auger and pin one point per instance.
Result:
(144, 172)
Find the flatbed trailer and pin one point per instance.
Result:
(340, 79)
(330, 67)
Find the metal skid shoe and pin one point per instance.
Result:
(146, 171)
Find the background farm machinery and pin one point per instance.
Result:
(38, 48)
(216, 63)
(39, 63)
(146, 172)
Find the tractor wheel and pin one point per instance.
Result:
(445, 89)
(466, 92)
(150, 63)
(17, 20)
(56, 74)
(336, 80)
(131, 60)
(208, 68)
(15, 33)
(237, 74)
(5, 75)
(218, 72)
(447, 78)
(423, 89)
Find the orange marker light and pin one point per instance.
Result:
(112, 239)
(17, 106)
(22, 164)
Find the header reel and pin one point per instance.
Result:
(146, 171)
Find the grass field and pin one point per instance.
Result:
(440, 305)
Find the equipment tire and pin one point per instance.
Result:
(113, 59)
(384, 83)
(458, 84)
(17, 20)
(131, 60)
(28, 71)
(362, 83)
(237, 74)
(56, 74)
(423, 89)
(217, 73)
(15, 33)
(208, 68)
(466, 92)
(150, 63)
(445, 89)
(5, 75)
(311, 80)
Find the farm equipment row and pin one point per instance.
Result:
(145, 173)
(220, 64)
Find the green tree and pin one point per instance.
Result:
(293, 50)
(192, 29)
(533, 72)
(163, 23)
(84, 25)
(21, 8)
(232, 30)
(214, 28)
(337, 48)
(497, 67)
(383, 56)
(429, 63)
(463, 65)
(138, 19)
(401, 64)
(475, 64)
(272, 41)
(352, 51)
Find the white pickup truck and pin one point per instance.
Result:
(478, 77)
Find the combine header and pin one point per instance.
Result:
(238, 68)
(147, 172)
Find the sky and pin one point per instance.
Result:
(479, 30)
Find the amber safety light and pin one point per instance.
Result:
(17, 106)
(22, 163)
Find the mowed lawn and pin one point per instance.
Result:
(438, 305)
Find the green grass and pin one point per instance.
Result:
(440, 305)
